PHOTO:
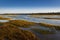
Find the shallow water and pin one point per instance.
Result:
(33, 19)
(4, 20)
(55, 36)
(38, 20)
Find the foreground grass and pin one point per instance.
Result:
(50, 25)
(10, 31)
(14, 33)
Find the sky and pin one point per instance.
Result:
(29, 6)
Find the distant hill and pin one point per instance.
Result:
(57, 13)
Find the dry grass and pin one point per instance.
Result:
(21, 23)
(53, 18)
(18, 23)
(14, 33)
(2, 18)
(10, 31)
(50, 25)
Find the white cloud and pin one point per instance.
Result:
(28, 10)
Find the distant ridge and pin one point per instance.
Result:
(58, 13)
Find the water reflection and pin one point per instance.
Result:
(33, 19)
(38, 20)
(4, 20)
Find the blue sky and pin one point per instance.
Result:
(30, 5)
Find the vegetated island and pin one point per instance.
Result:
(2, 18)
(26, 24)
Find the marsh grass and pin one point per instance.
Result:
(11, 32)
(21, 23)
(43, 31)
(50, 25)
(2, 18)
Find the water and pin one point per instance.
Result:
(4, 20)
(41, 36)
(55, 36)
(33, 19)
